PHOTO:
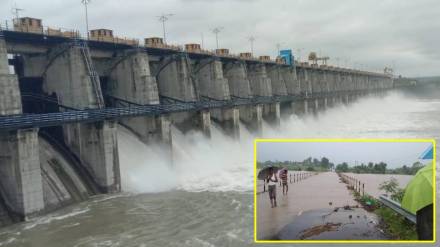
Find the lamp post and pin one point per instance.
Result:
(86, 2)
(298, 51)
(16, 11)
(163, 18)
(279, 47)
(252, 39)
(216, 31)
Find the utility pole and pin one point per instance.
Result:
(216, 31)
(86, 2)
(163, 18)
(252, 39)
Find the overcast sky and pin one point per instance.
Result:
(394, 154)
(373, 33)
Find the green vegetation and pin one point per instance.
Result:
(395, 225)
(392, 189)
(309, 164)
(379, 168)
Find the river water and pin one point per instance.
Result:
(206, 198)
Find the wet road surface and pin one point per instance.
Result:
(319, 192)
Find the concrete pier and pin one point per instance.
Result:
(69, 74)
(293, 88)
(130, 79)
(176, 82)
(20, 172)
(278, 84)
(212, 85)
(261, 85)
(239, 86)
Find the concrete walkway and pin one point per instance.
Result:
(315, 192)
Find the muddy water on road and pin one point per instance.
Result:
(336, 224)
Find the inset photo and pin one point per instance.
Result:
(344, 190)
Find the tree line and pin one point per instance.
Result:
(324, 164)
(379, 168)
(309, 164)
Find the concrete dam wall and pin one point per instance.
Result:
(45, 167)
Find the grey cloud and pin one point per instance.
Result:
(374, 33)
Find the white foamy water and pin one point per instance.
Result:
(219, 163)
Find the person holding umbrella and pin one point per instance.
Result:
(272, 181)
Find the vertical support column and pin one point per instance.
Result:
(261, 85)
(271, 113)
(278, 84)
(21, 184)
(212, 84)
(252, 117)
(130, 79)
(279, 88)
(97, 147)
(175, 80)
(20, 171)
(69, 75)
(239, 86)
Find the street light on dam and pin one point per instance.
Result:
(216, 31)
(163, 18)
(252, 39)
(86, 2)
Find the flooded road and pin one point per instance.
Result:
(321, 191)
(211, 202)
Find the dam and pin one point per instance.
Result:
(66, 96)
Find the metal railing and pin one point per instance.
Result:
(395, 206)
(22, 121)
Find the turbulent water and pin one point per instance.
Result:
(205, 198)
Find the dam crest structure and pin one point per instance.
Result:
(60, 109)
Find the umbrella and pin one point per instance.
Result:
(418, 193)
(265, 172)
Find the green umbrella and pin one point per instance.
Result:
(418, 193)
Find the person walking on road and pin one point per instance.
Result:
(272, 181)
(283, 177)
